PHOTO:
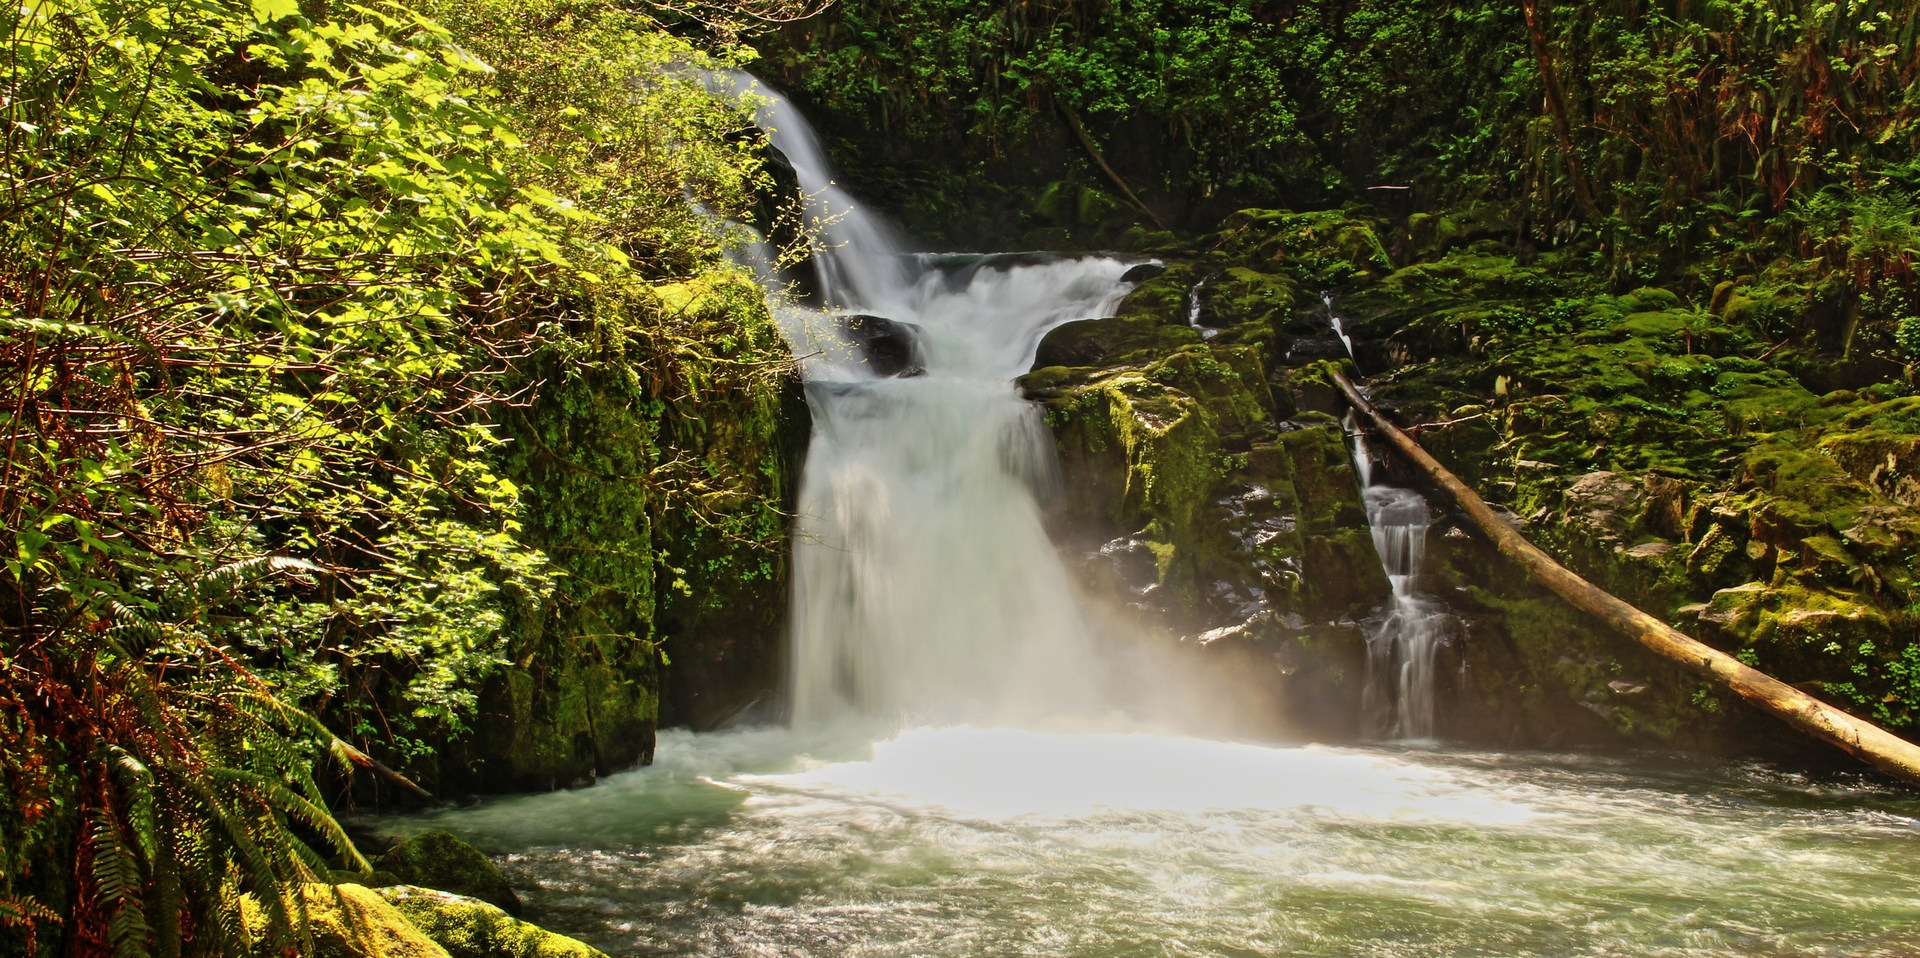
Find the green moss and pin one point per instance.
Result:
(441, 860)
(351, 921)
(654, 459)
(1670, 453)
(1322, 249)
(468, 928)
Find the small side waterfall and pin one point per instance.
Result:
(925, 587)
(1194, 305)
(1405, 635)
(1339, 327)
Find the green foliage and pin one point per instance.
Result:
(1266, 100)
(277, 285)
(1651, 137)
(1907, 337)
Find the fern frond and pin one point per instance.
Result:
(117, 879)
(222, 582)
(136, 782)
(25, 911)
(168, 899)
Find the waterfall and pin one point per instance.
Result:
(1194, 307)
(1405, 635)
(925, 587)
(1339, 326)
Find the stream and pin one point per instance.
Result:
(972, 770)
(967, 841)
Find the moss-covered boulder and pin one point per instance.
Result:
(1205, 504)
(440, 859)
(349, 921)
(470, 928)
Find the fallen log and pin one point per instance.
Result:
(1857, 737)
(374, 765)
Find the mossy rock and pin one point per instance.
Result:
(470, 928)
(1113, 341)
(1430, 234)
(350, 921)
(441, 860)
(1322, 248)
(1238, 295)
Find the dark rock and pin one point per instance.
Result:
(1310, 349)
(1143, 272)
(890, 347)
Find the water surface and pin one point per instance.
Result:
(977, 841)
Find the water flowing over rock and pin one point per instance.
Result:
(1404, 636)
(925, 584)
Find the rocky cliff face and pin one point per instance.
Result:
(1667, 450)
(657, 476)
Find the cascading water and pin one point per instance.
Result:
(1339, 325)
(1194, 305)
(925, 587)
(1404, 637)
(927, 592)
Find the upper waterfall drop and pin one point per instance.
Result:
(925, 587)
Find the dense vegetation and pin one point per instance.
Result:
(296, 302)
(375, 399)
(1722, 138)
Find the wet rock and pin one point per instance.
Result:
(441, 860)
(890, 347)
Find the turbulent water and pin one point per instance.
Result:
(1000, 842)
(968, 773)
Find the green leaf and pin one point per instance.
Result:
(267, 11)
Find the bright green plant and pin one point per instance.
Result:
(268, 282)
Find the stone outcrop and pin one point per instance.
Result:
(1658, 447)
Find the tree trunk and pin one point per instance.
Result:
(1855, 736)
(1093, 150)
(1557, 105)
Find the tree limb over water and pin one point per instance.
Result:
(1857, 737)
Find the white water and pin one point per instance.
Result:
(925, 588)
(1339, 326)
(1194, 305)
(1405, 636)
(971, 842)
